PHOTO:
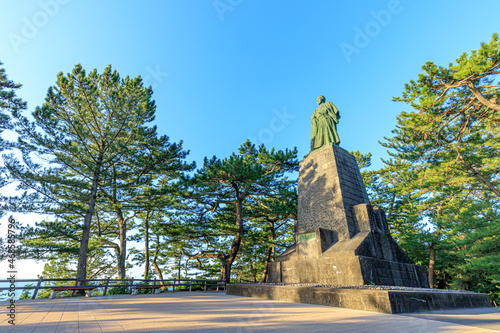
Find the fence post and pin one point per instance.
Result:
(191, 285)
(205, 286)
(74, 291)
(131, 284)
(106, 287)
(37, 286)
(173, 288)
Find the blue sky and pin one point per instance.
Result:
(227, 70)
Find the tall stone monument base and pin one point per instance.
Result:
(340, 238)
(349, 262)
(344, 254)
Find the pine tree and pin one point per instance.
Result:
(88, 124)
(458, 116)
(445, 156)
(9, 103)
(234, 182)
(271, 224)
(144, 181)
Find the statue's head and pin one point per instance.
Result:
(320, 99)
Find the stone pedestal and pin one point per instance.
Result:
(368, 299)
(330, 184)
(340, 238)
(343, 247)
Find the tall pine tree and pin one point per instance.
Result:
(446, 155)
(229, 185)
(88, 123)
(9, 103)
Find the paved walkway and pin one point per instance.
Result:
(217, 312)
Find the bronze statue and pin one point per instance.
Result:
(324, 124)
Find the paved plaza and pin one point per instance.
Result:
(217, 312)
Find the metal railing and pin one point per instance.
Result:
(108, 283)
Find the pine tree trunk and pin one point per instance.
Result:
(232, 256)
(432, 256)
(223, 269)
(432, 262)
(179, 271)
(146, 246)
(235, 245)
(155, 256)
(158, 271)
(121, 251)
(81, 272)
(270, 251)
(122, 257)
(266, 263)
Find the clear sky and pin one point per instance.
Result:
(227, 70)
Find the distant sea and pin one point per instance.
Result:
(4, 286)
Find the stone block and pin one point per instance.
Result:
(369, 299)
(329, 185)
(340, 239)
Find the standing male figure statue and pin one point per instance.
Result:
(324, 124)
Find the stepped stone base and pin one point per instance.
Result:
(375, 300)
(348, 270)
(339, 237)
(341, 241)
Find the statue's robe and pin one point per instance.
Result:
(324, 125)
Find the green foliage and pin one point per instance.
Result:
(227, 191)
(440, 188)
(363, 160)
(118, 291)
(9, 103)
(90, 149)
(184, 286)
(45, 293)
(63, 265)
(25, 294)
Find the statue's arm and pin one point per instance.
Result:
(314, 125)
(333, 108)
(314, 121)
(315, 116)
(333, 111)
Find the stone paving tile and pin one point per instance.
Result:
(106, 322)
(217, 312)
(69, 319)
(87, 319)
(53, 317)
(33, 316)
(20, 316)
(483, 317)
